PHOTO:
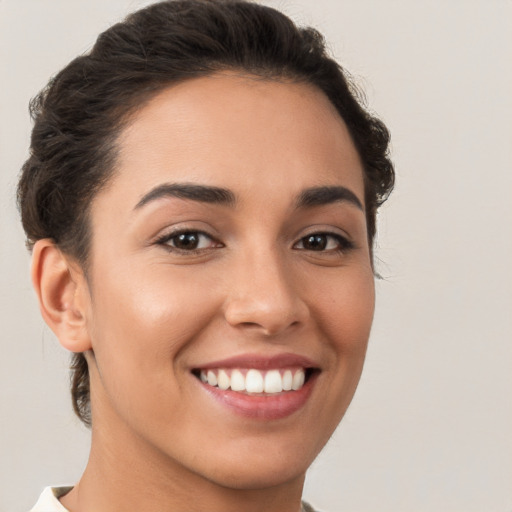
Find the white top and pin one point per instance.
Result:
(49, 500)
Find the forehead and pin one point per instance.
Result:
(244, 133)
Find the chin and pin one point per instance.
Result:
(261, 468)
(257, 478)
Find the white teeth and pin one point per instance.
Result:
(255, 381)
(237, 381)
(273, 382)
(212, 378)
(298, 380)
(287, 380)
(223, 380)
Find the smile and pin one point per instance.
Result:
(259, 388)
(255, 381)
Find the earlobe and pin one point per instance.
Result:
(63, 294)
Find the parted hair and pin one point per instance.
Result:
(78, 116)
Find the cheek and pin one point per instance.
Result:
(344, 306)
(346, 324)
(141, 323)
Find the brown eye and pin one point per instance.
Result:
(188, 241)
(327, 242)
(314, 242)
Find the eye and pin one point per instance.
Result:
(326, 242)
(188, 241)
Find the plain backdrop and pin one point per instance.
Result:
(430, 426)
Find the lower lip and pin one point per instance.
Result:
(264, 407)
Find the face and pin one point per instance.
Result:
(231, 289)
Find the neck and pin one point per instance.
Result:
(125, 474)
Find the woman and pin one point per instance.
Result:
(200, 200)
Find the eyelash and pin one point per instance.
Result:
(167, 238)
(343, 244)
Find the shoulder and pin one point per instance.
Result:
(306, 507)
(49, 500)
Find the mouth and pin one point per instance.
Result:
(253, 381)
(259, 388)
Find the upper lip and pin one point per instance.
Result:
(261, 362)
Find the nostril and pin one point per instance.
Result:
(266, 328)
(249, 324)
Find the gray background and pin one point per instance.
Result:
(430, 426)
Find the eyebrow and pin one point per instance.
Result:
(308, 198)
(319, 196)
(201, 193)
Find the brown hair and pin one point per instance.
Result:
(78, 116)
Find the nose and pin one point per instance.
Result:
(264, 295)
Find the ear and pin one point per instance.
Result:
(63, 295)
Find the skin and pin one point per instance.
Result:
(146, 314)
